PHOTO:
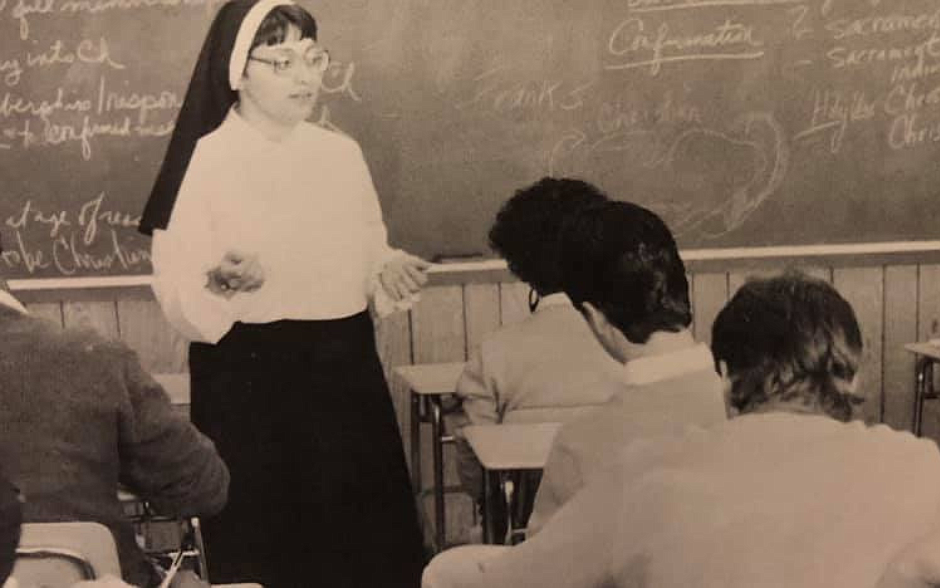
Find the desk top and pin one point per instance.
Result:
(520, 446)
(431, 378)
(927, 349)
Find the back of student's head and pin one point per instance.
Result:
(790, 339)
(623, 260)
(527, 229)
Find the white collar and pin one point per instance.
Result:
(7, 299)
(248, 134)
(556, 299)
(656, 368)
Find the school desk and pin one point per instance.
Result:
(503, 449)
(926, 354)
(427, 384)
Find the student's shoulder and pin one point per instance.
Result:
(596, 424)
(88, 342)
(895, 442)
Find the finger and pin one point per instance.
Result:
(417, 275)
(402, 290)
(389, 288)
(419, 263)
(234, 256)
(410, 284)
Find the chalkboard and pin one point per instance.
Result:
(743, 122)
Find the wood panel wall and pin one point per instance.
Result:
(895, 304)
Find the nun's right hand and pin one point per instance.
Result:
(237, 272)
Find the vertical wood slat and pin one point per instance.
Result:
(143, 327)
(481, 312)
(439, 335)
(928, 325)
(393, 343)
(51, 311)
(513, 302)
(900, 327)
(709, 296)
(863, 288)
(98, 315)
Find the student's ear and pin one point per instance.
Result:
(607, 334)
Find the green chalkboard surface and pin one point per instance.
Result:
(743, 122)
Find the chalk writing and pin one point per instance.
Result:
(614, 116)
(142, 103)
(833, 112)
(24, 8)
(499, 90)
(70, 257)
(339, 80)
(843, 28)
(12, 104)
(844, 57)
(638, 49)
(715, 208)
(910, 130)
(800, 28)
(73, 238)
(910, 97)
(660, 5)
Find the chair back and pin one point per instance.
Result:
(57, 555)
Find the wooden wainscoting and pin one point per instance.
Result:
(895, 304)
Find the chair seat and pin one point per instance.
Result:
(61, 554)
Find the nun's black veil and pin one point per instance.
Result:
(205, 106)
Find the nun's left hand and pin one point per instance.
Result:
(404, 275)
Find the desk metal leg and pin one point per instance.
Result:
(508, 489)
(488, 502)
(437, 434)
(415, 401)
(919, 385)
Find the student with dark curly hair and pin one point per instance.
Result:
(547, 367)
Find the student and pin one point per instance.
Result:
(790, 493)
(623, 272)
(80, 416)
(547, 367)
(268, 243)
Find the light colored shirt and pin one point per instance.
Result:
(547, 367)
(305, 206)
(661, 394)
(768, 500)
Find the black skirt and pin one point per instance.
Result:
(320, 494)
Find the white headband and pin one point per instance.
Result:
(246, 34)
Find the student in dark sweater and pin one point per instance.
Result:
(80, 416)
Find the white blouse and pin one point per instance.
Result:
(305, 206)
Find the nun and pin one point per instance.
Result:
(268, 245)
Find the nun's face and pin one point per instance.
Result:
(281, 82)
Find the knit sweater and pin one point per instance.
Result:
(79, 417)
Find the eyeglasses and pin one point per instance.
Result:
(286, 65)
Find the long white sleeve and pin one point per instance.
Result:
(182, 255)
